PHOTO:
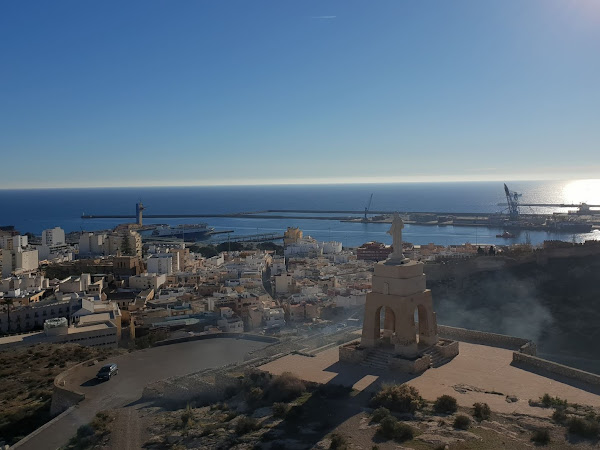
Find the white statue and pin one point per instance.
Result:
(396, 232)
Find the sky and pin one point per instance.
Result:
(142, 93)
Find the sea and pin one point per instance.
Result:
(33, 210)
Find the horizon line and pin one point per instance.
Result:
(302, 182)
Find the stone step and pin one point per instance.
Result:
(375, 365)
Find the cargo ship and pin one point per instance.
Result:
(187, 232)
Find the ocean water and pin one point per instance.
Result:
(37, 209)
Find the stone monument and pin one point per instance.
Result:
(408, 340)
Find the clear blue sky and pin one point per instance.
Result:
(96, 93)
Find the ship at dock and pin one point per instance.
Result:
(188, 232)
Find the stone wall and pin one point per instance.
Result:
(62, 397)
(559, 369)
(485, 338)
(407, 366)
(448, 349)
(201, 337)
(351, 353)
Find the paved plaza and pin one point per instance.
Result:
(478, 374)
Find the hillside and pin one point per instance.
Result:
(556, 304)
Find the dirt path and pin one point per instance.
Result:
(127, 430)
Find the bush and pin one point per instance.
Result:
(187, 417)
(255, 396)
(559, 415)
(398, 398)
(584, 427)
(338, 442)
(280, 409)
(84, 431)
(284, 388)
(462, 422)
(481, 411)
(246, 425)
(553, 402)
(379, 414)
(390, 428)
(541, 437)
(333, 390)
(445, 404)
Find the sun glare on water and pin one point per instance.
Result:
(586, 191)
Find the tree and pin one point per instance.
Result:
(125, 247)
(8, 302)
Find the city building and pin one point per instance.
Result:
(373, 251)
(91, 244)
(57, 331)
(19, 260)
(53, 236)
(161, 263)
(147, 281)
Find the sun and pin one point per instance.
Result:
(582, 191)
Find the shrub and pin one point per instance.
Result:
(280, 409)
(284, 388)
(246, 425)
(583, 427)
(462, 422)
(404, 432)
(445, 404)
(84, 431)
(379, 414)
(255, 396)
(333, 390)
(552, 402)
(481, 411)
(338, 442)
(390, 428)
(559, 415)
(399, 398)
(541, 437)
(187, 417)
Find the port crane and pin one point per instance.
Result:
(368, 206)
(513, 203)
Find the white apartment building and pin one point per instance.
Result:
(274, 317)
(91, 244)
(94, 334)
(160, 264)
(13, 242)
(19, 261)
(75, 283)
(147, 281)
(53, 236)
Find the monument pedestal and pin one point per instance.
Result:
(399, 294)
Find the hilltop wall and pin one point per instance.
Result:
(485, 338)
(527, 361)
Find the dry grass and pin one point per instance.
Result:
(27, 375)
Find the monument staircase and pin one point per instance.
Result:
(437, 359)
(378, 358)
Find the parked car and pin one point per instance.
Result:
(107, 371)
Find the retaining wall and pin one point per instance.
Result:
(448, 349)
(351, 353)
(201, 337)
(63, 397)
(485, 338)
(559, 369)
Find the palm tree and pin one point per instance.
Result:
(8, 302)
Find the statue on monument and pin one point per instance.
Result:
(396, 232)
